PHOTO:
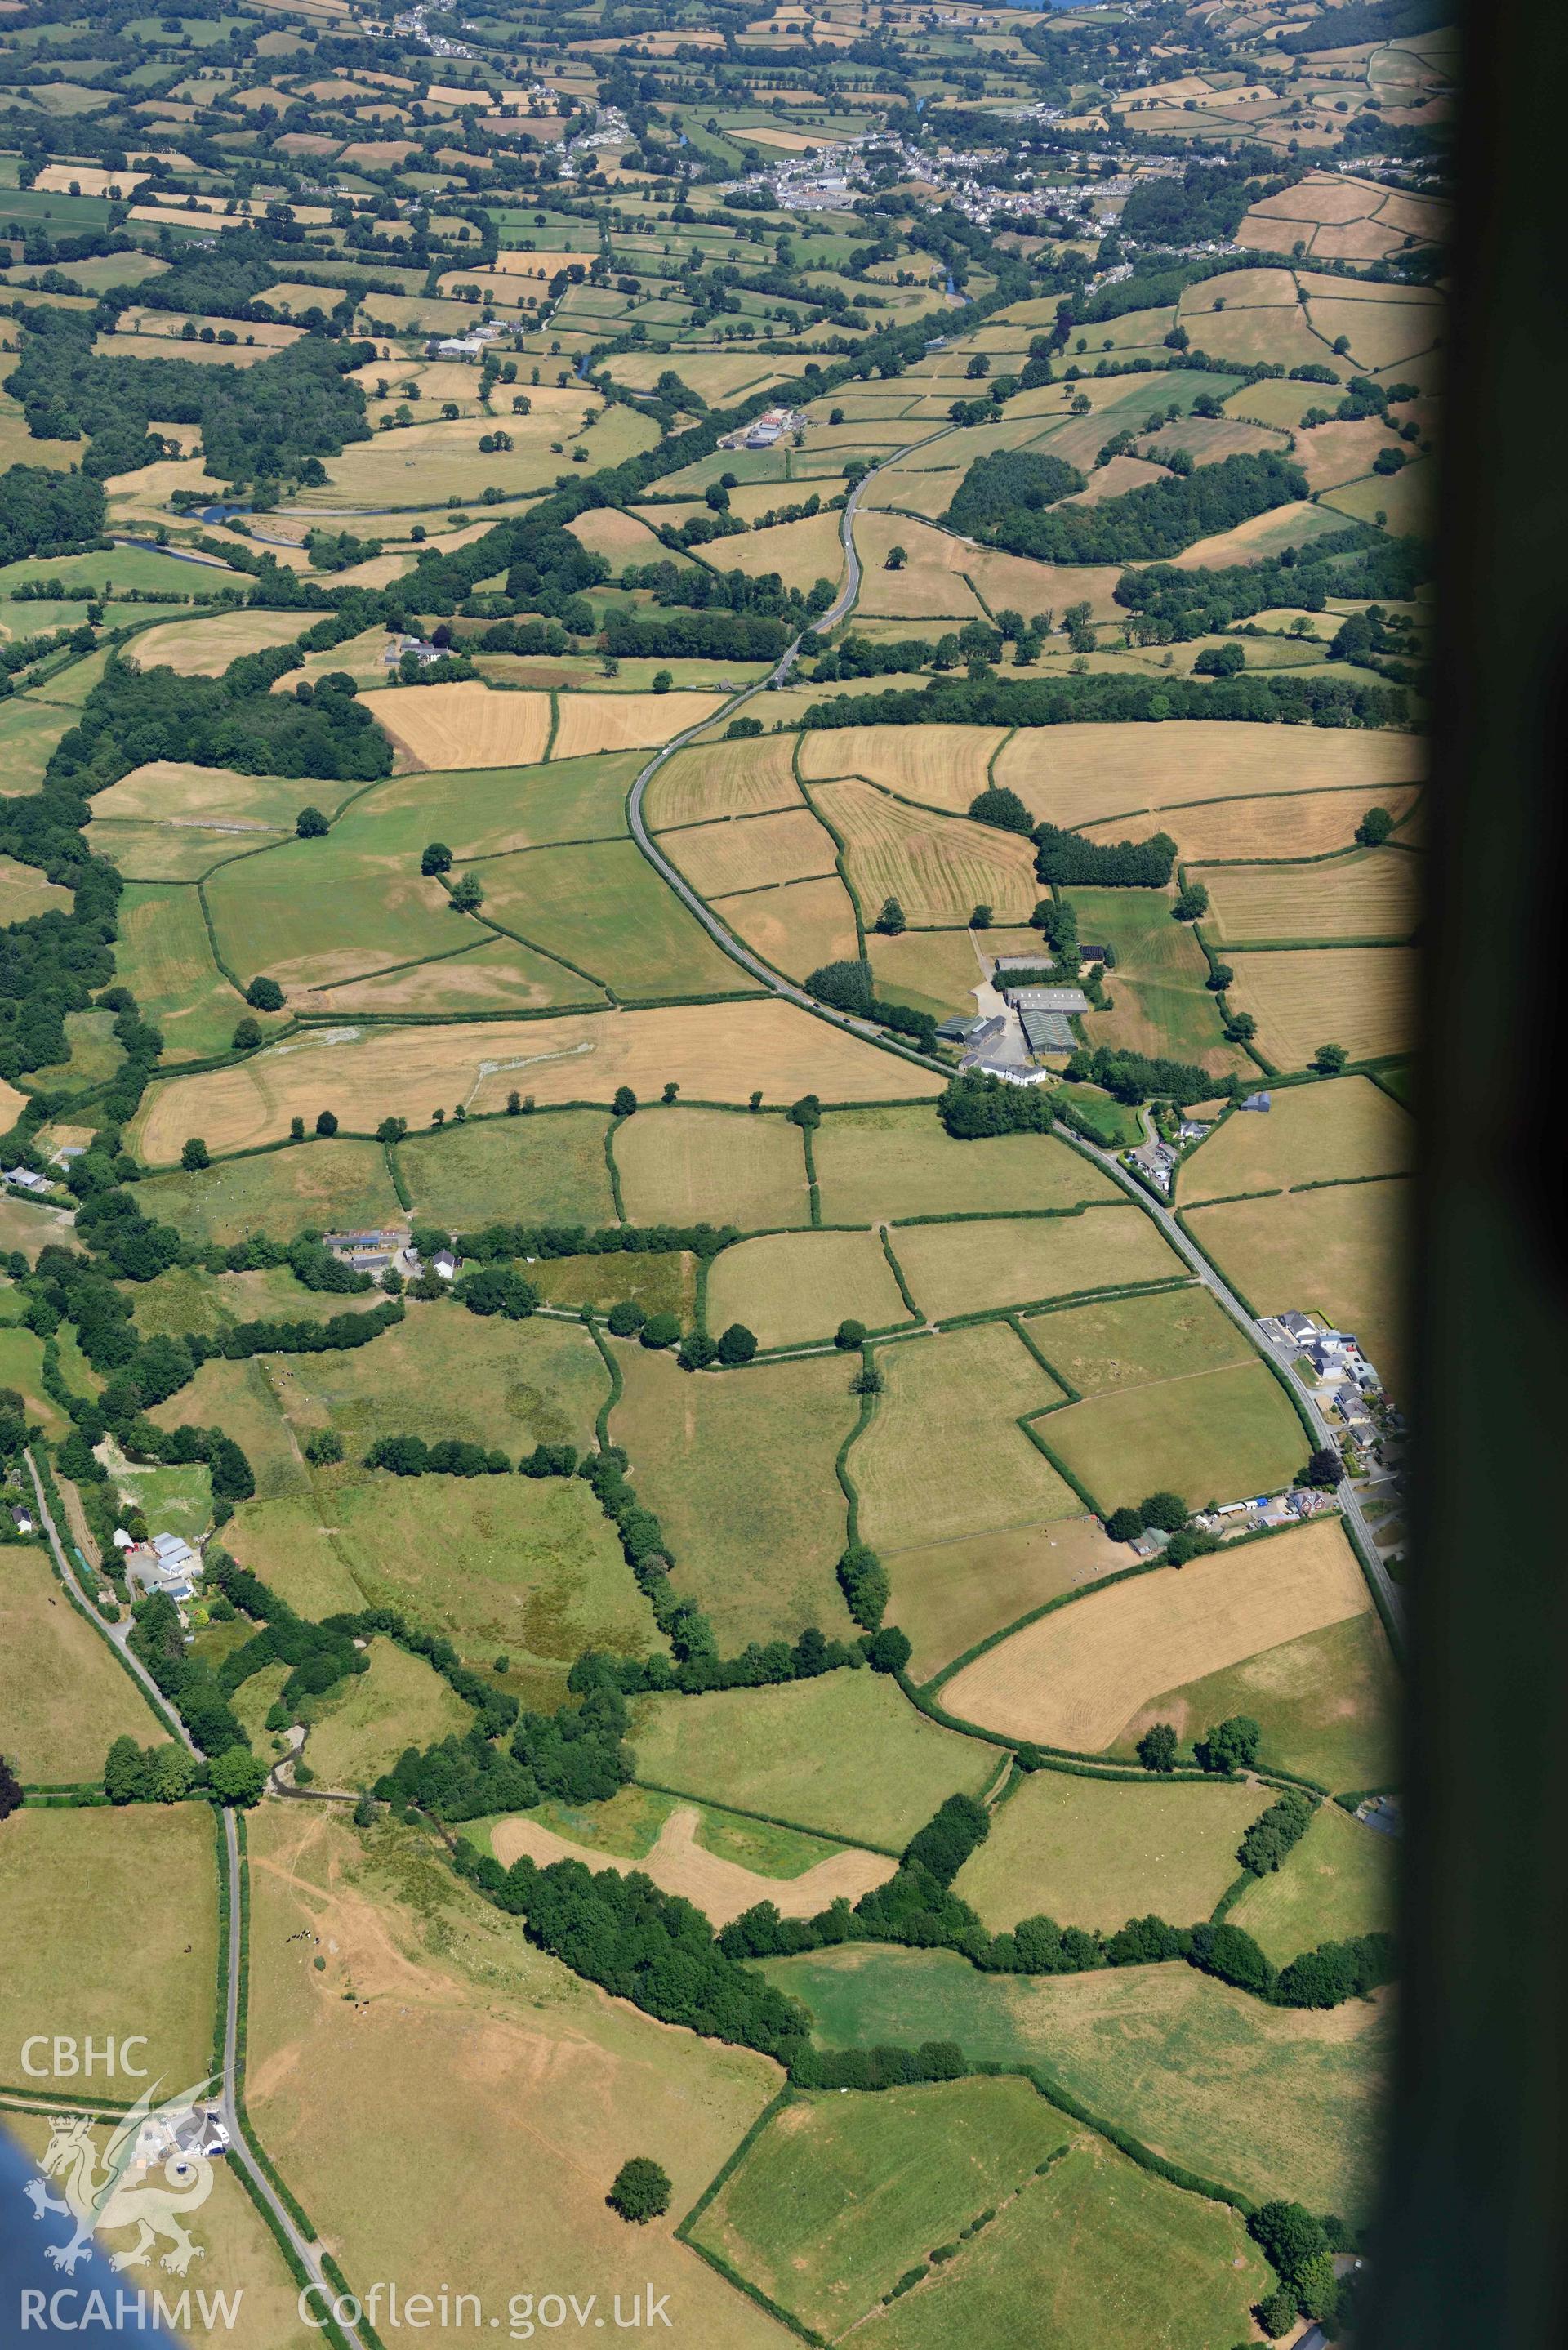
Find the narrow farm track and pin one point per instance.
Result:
(306, 2253)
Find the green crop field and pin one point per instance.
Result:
(1328, 1704)
(1162, 1006)
(550, 1168)
(1128, 1341)
(486, 811)
(1270, 2101)
(739, 1469)
(1218, 1435)
(840, 2196)
(698, 1166)
(1096, 1852)
(357, 1731)
(1338, 1881)
(845, 1755)
(333, 1186)
(603, 908)
(879, 1165)
(96, 1867)
(942, 1455)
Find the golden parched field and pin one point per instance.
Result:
(626, 721)
(798, 926)
(1361, 998)
(720, 1889)
(202, 647)
(1341, 1251)
(943, 765)
(719, 779)
(1373, 893)
(791, 1288)
(753, 853)
(1076, 1677)
(1297, 824)
(1312, 1134)
(690, 1166)
(714, 1053)
(173, 792)
(1079, 774)
(462, 725)
(63, 1696)
(970, 1268)
(938, 867)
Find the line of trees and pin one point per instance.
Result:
(1002, 502)
(1067, 857)
(1293, 697)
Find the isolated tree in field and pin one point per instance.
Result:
(671, 1090)
(1330, 1059)
(1220, 977)
(10, 1789)
(849, 1334)
(625, 1102)
(297, 1129)
(247, 1036)
(1157, 1747)
(737, 1345)
(1230, 1746)
(1375, 828)
(981, 918)
(324, 1450)
(891, 921)
(467, 897)
(641, 2191)
(897, 558)
(327, 1123)
(265, 995)
(1001, 809)
(437, 859)
(1240, 1028)
(194, 1155)
(311, 825)
(662, 681)
(1191, 903)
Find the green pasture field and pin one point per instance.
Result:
(359, 1729)
(928, 970)
(238, 1397)
(27, 1229)
(333, 1186)
(154, 853)
(22, 1368)
(1271, 2101)
(1328, 1704)
(164, 956)
(628, 1826)
(481, 812)
(93, 1058)
(94, 1869)
(1121, 1342)
(949, 1594)
(313, 912)
(739, 1469)
(840, 2195)
(845, 1754)
(63, 1697)
(1096, 2255)
(941, 1455)
(791, 1288)
(603, 907)
(973, 1268)
(548, 1168)
(1096, 1852)
(709, 1166)
(176, 1501)
(661, 1283)
(1112, 1123)
(1341, 1251)
(1208, 1435)
(874, 1165)
(445, 1372)
(1331, 1133)
(1162, 1005)
(283, 1542)
(1337, 1882)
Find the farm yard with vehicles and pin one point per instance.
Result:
(715, 743)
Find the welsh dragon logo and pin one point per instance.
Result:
(156, 2170)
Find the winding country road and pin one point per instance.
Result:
(1191, 1256)
(240, 2147)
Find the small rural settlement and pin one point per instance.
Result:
(703, 1377)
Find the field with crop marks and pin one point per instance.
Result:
(797, 927)
(1361, 998)
(879, 1165)
(1125, 1342)
(1163, 1006)
(1078, 1676)
(790, 1289)
(943, 765)
(1215, 1435)
(740, 1470)
(703, 1165)
(1371, 894)
(713, 1054)
(601, 909)
(764, 850)
(942, 1455)
(938, 868)
(723, 779)
(1077, 774)
(465, 725)
(1271, 2101)
(974, 1267)
(951, 1592)
(336, 1185)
